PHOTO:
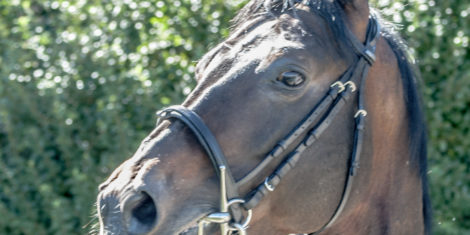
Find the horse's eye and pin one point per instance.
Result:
(291, 78)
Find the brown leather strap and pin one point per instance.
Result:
(206, 139)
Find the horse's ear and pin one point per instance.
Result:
(357, 12)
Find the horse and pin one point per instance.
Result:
(306, 119)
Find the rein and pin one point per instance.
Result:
(231, 216)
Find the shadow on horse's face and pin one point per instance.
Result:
(253, 89)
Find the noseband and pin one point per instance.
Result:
(231, 216)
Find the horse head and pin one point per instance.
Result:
(271, 138)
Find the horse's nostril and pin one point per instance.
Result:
(145, 212)
(142, 214)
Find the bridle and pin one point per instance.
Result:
(231, 217)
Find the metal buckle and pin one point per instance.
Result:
(340, 85)
(360, 112)
(369, 56)
(352, 85)
(268, 186)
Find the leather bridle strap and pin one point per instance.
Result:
(367, 58)
(333, 103)
(206, 139)
(320, 118)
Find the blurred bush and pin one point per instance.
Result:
(79, 84)
(80, 81)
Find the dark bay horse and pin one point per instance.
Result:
(306, 119)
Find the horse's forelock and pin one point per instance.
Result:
(331, 10)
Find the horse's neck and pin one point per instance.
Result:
(387, 195)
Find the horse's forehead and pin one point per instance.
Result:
(268, 39)
(268, 47)
(285, 27)
(265, 42)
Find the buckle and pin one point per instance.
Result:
(352, 85)
(268, 186)
(360, 112)
(369, 56)
(340, 85)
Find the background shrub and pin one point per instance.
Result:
(80, 81)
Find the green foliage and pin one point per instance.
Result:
(79, 84)
(80, 80)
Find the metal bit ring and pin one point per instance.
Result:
(249, 215)
(239, 228)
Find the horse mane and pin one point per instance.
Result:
(332, 12)
(417, 129)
